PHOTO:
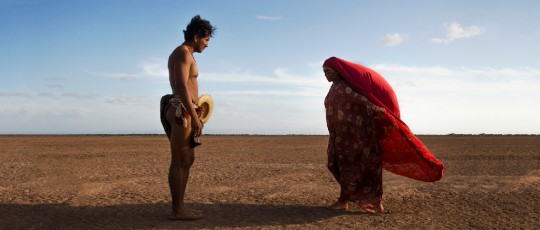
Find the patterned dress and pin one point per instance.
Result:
(366, 112)
(354, 157)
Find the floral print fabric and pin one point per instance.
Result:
(354, 158)
(401, 151)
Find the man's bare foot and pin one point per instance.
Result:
(339, 206)
(187, 214)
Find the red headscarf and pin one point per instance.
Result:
(402, 152)
(367, 82)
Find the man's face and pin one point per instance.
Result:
(201, 43)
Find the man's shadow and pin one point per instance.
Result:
(54, 216)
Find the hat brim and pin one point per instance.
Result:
(207, 105)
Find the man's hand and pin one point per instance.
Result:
(196, 126)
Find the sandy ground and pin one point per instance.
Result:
(119, 182)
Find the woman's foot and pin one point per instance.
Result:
(339, 206)
(376, 210)
(379, 209)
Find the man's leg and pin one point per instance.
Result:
(182, 157)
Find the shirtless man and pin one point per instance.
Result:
(179, 113)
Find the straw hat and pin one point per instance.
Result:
(207, 104)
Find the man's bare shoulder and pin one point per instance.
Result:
(181, 54)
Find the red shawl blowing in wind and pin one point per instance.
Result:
(402, 152)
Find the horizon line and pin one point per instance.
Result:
(247, 134)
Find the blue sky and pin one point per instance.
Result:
(70, 67)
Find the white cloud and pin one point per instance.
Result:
(439, 71)
(59, 86)
(154, 67)
(441, 100)
(120, 76)
(54, 113)
(127, 100)
(393, 39)
(269, 18)
(304, 92)
(281, 84)
(61, 113)
(151, 68)
(45, 95)
(454, 31)
(316, 65)
(54, 79)
(13, 112)
(281, 76)
(433, 100)
(16, 94)
(490, 81)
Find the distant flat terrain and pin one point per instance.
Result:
(108, 181)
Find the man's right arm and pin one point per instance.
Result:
(181, 76)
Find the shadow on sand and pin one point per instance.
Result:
(54, 216)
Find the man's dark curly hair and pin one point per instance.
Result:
(198, 26)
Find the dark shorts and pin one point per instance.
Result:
(163, 106)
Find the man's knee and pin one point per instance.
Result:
(182, 159)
